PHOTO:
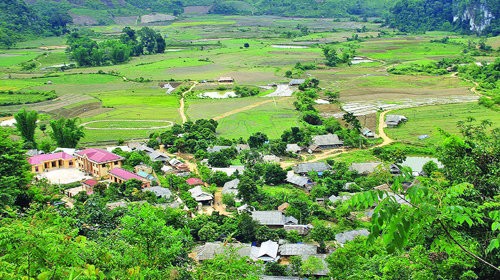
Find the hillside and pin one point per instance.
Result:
(475, 16)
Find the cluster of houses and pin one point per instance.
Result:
(102, 165)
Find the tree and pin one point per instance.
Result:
(66, 133)
(274, 174)
(158, 245)
(257, 139)
(247, 189)
(312, 117)
(247, 228)
(227, 266)
(332, 96)
(14, 170)
(219, 159)
(352, 120)
(312, 265)
(208, 232)
(275, 269)
(330, 53)
(26, 124)
(429, 167)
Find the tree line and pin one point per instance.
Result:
(88, 52)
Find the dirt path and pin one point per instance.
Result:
(242, 109)
(381, 132)
(218, 205)
(181, 107)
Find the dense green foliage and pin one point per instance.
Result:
(66, 132)
(26, 123)
(449, 217)
(14, 171)
(425, 15)
(11, 97)
(88, 52)
(19, 21)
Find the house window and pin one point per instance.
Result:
(103, 165)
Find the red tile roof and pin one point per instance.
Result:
(90, 182)
(124, 174)
(38, 159)
(194, 181)
(98, 155)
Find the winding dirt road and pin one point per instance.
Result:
(181, 107)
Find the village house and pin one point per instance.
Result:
(300, 229)
(271, 159)
(159, 156)
(231, 187)
(97, 162)
(365, 168)
(346, 236)
(304, 168)
(46, 162)
(324, 142)
(296, 82)
(366, 132)
(242, 147)
(194, 181)
(394, 120)
(144, 148)
(160, 192)
(123, 148)
(74, 191)
(273, 219)
(209, 250)
(300, 181)
(225, 80)
(120, 176)
(201, 196)
(230, 170)
(268, 251)
(297, 249)
(89, 184)
(216, 149)
(293, 148)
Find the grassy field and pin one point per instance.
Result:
(271, 118)
(23, 97)
(208, 47)
(427, 120)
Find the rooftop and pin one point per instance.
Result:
(327, 140)
(159, 191)
(298, 249)
(90, 182)
(346, 236)
(364, 168)
(273, 218)
(99, 155)
(311, 166)
(231, 187)
(194, 181)
(39, 159)
(124, 174)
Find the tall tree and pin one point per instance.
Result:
(66, 132)
(14, 170)
(26, 124)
